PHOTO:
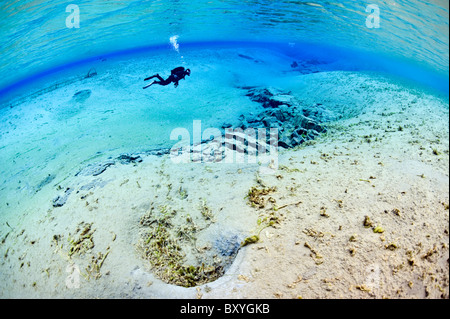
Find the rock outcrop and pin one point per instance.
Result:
(283, 112)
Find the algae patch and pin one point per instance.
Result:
(168, 242)
(250, 240)
(79, 246)
(256, 196)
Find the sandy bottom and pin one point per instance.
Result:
(362, 211)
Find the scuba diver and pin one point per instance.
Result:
(176, 75)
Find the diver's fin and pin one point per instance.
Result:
(149, 85)
(152, 77)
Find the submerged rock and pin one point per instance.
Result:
(61, 200)
(308, 66)
(94, 184)
(228, 247)
(248, 58)
(95, 169)
(270, 97)
(45, 182)
(282, 111)
(245, 57)
(158, 152)
(81, 96)
(129, 159)
(285, 143)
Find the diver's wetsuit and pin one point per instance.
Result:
(175, 76)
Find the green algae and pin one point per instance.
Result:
(163, 245)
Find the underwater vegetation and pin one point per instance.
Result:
(168, 238)
(164, 244)
(80, 245)
(258, 197)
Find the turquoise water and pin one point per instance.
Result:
(227, 44)
(35, 39)
(72, 97)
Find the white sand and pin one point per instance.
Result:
(342, 175)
